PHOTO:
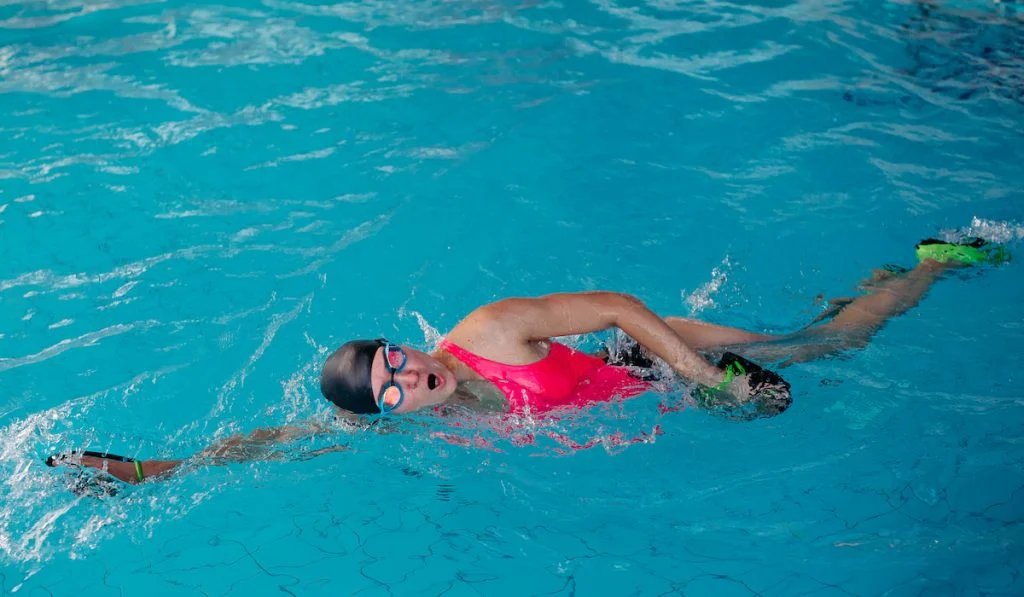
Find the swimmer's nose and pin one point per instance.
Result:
(409, 378)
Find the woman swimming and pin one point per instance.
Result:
(501, 357)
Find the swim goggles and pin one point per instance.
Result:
(391, 394)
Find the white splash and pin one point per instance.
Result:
(990, 230)
(701, 299)
(431, 336)
(297, 402)
(28, 516)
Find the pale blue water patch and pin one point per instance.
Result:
(199, 201)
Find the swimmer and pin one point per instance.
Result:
(502, 358)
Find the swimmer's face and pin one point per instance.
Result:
(424, 380)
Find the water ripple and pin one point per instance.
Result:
(211, 197)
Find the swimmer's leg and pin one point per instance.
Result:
(701, 335)
(860, 319)
(855, 323)
(850, 323)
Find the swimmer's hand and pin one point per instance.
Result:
(749, 391)
(127, 470)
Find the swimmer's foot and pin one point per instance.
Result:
(970, 251)
(748, 392)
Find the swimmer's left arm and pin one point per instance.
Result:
(257, 445)
(253, 446)
(585, 312)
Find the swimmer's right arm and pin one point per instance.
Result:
(584, 312)
(571, 313)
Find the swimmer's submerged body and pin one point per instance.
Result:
(502, 358)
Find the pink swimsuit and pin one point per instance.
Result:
(564, 378)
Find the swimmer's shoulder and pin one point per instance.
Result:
(493, 324)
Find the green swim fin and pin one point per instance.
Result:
(971, 251)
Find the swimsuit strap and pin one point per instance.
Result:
(468, 358)
(480, 364)
(486, 368)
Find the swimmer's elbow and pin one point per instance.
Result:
(607, 308)
(623, 306)
(613, 308)
(630, 300)
(560, 314)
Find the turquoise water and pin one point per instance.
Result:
(199, 201)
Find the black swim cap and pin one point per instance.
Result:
(345, 379)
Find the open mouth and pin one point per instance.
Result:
(433, 381)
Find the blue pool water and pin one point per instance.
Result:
(199, 201)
